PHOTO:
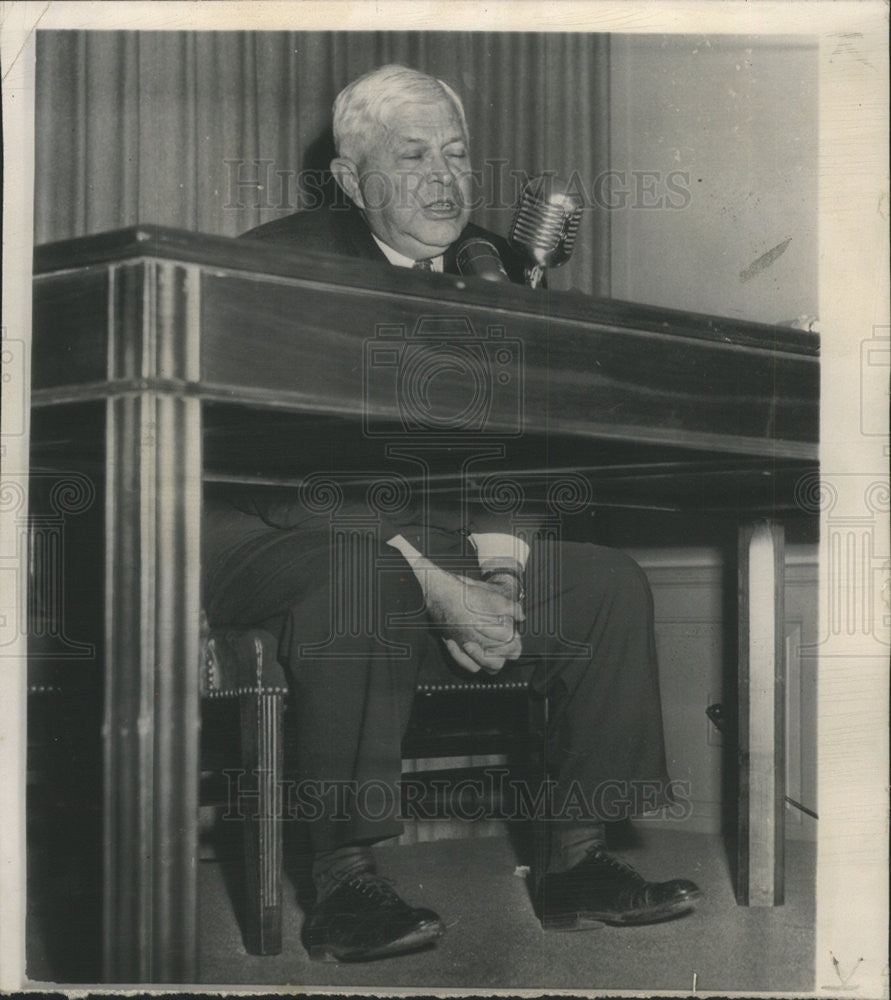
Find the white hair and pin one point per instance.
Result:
(364, 103)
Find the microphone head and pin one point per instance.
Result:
(478, 258)
(546, 220)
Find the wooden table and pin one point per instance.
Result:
(163, 359)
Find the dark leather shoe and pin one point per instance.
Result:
(363, 919)
(603, 890)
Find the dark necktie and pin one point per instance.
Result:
(422, 265)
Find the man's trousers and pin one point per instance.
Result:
(353, 633)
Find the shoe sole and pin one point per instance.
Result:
(584, 920)
(419, 938)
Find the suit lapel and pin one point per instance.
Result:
(355, 237)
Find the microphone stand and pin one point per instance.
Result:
(533, 274)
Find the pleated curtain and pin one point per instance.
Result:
(215, 131)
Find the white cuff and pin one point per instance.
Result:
(493, 546)
(406, 548)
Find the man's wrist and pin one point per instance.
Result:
(497, 548)
(501, 563)
(507, 577)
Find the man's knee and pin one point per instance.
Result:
(622, 566)
(618, 573)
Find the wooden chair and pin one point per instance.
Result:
(242, 664)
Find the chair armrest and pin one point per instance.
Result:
(239, 662)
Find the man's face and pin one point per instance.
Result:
(414, 181)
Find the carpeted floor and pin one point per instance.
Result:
(493, 939)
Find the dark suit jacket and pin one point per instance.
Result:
(342, 230)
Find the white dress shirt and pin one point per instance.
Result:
(400, 260)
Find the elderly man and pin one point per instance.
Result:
(403, 163)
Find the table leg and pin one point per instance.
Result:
(762, 669)
(152, 608)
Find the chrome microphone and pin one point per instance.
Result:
(478, 258)
(545, 224)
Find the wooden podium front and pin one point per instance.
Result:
(165, 360)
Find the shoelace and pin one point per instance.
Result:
(374, 886)
(620, 866)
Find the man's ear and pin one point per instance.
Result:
(346, 173)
